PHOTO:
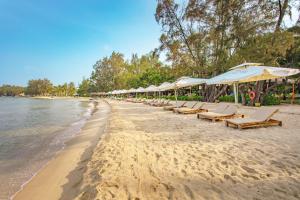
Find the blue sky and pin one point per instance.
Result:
(61, 40)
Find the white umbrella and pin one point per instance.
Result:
(151, 88)
(250, 73)
(166, 86)
(132, 90)
(188, 82)
(140, 90)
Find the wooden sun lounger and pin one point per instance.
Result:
(260, 118)
(189, 104)
(229, 112)
(179, 104)
(199, 107)
(162, 103)
(149, 102)
(157, 102)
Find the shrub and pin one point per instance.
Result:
(226, 98)
(271, 100)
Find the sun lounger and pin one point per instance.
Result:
(162, 103)
(157, 102)
(189, 104)
(229, 112)
(260, 118)
(148, 102)
(199, 107)
(179, 104)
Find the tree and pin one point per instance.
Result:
(39, 87)
(71, 89)
(11, 90)
(84, 88)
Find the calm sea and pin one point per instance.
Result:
(31, 132)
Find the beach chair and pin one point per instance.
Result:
(189, 104)
(158, 101)
(199, 107)
(148, 102)
(162, 103)
(229, 111)
(260, 118)
(179, 104)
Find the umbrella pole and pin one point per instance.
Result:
(236, 93)
(176, 96)
(293, 94)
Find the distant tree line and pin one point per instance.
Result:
(11, 90)
(39, 87)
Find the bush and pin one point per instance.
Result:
(271, 100)
(226, 98)
(193, 97)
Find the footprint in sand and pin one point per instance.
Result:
(189, 192)
(183, 172)
(175, 161)
(249, 170)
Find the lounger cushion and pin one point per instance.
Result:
(243, 120)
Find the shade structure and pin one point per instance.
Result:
(250, 73)
(140, 90)
(188, 82)
(151, 88)
(246, 74)
(166, 86)
(132, 90)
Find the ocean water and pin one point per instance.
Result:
(32, 131)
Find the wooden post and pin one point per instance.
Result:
(293, 94)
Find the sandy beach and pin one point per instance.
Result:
(148, 153)
(60, 178)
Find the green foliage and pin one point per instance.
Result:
(11, 90)
(44, 87)
(271, 100)
(226, 98)
(84, 88)
(39, 87)
(193, 97)
(115, 73)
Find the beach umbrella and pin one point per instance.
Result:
(187, 82)
(140, 90)
(151, 88)
(165, 87)
(250, 73)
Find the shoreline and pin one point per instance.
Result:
(65, 161)
(148, 153)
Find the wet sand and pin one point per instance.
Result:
(60, 178)
(148, 153)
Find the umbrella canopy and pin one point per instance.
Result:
(166, 86)
(250, 73)
(243, 74)
(188, 82)
(140, 89)
(151, 88)
(132, 90)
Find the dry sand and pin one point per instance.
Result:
(149, 153)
